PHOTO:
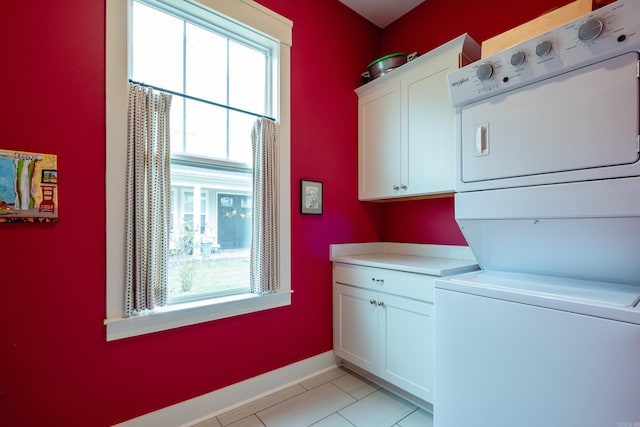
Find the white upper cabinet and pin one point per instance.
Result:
(406, 126)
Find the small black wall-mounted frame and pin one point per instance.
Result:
(310, 197)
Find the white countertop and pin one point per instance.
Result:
(434, 260)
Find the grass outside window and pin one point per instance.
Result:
(227, 271)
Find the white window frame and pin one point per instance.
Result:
(117, 61)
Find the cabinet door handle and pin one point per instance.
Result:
(380, 304)
(396, 188)
(372, 302)
(403, 187)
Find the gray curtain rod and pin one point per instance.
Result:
(206, 101)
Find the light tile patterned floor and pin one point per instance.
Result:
(336, 398)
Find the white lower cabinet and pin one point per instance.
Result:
(405, 330)
(383, 323)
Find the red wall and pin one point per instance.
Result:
(422, 221)
(56, 367)
(426, 27)
(433, 23)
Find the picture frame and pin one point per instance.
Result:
(49, 176)
(310, 197)
(28, 186)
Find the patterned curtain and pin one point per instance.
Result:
(264, 243)
(148, 200)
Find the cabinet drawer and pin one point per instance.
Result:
(411, 285)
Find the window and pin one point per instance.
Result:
(205, 54)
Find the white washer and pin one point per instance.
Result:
(531, 351)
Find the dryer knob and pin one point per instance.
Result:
(590, 30)
(517, 58)
(484, 71)
(543, 48)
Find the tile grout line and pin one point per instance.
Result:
(300, 384)
(346, 381)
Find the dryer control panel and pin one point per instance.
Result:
(597, 36)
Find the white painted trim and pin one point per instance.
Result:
(219, 401)
(346, 249)
(116, 73)
(426, 250)
(256, 16)
(175, 316)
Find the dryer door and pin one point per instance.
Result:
(577, 126)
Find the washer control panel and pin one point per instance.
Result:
(604, 33)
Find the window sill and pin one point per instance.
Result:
(179, 315)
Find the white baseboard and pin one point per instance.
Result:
(219, 401)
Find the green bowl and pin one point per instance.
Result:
(385, 64)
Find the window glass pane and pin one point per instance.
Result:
(212, 259)
(188, 201)
(157, 48)
(174, 211)
(177, 125)
(214, 273)
(206, 65)
(206, 130)
(203, 213)
(203, 202)
(240, 125)
(247, 78)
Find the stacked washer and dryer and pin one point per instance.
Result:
(547, 334)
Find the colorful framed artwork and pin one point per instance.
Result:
(28, 187)
(310, 197)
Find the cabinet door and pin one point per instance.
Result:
(355, 324)
(379, 142)
(406, 344)
(430, 129)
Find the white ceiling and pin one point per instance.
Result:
(381, 12)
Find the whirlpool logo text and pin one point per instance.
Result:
(459, 82)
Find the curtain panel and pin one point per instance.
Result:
(148, 200)
(264, 275)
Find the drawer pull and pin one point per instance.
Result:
(381, 281)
